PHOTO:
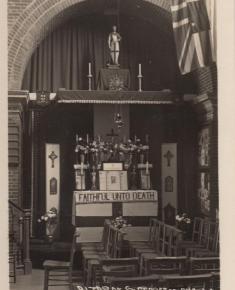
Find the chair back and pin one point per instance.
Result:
(74, 247)
(160, 237)
(197, 229)
(172, 238)
(132, 282)
(212, 236)
(120, 267)
(165, 265)
(204, 265)
(152, 230)
(178, 282)
(115, 241)
(105, 234)
(169, 214)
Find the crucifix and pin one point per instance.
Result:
(52, 156)
(112, 134)
(168, 157)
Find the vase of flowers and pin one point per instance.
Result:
(119, 222)
(183, 222)
(50, 218)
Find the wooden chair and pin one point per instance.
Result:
(132, 282)
(119, 267)
(202, 281)
(166, 244)
(153, 225)
(204, 265)
(164, 265)
(60, 271)
(91, 258)
(98, 245)
(157, 244)
(197, 237)
(209, 242)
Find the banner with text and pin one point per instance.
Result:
(82, 197)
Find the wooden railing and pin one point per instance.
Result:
(19, 233)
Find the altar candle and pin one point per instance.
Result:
(87, 138)
(99, 138)
(135, 138)
(76, 138)
(139, 68)
(147, 167)
(89, 68)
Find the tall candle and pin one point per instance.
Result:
(76, 138)
(89, 68)
(87, 138)
(139, 68)
(147, 138)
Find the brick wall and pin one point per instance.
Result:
(15, 138)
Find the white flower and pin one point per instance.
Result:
(39, 221)
(46, 218)
(42, 217)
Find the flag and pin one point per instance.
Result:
(192, 34)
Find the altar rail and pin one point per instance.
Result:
(112, 97)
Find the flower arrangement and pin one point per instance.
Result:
(183, 218)
(100, 150)
(119, 222)
(183, 223)
(51, 219)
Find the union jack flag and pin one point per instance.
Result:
(191, 28)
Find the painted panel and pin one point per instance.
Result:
(169, 175)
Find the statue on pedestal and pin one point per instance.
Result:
(113, 42)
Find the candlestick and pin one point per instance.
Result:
(140, 78)
(89, 76)
(89, 68)
(147, 139)
(139, 68)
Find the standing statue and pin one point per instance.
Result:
(113, 42)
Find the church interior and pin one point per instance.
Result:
(112, 147)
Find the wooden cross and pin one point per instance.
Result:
(52, 156)
(168, 156)
(112, 134)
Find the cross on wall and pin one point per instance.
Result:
(52, 156)
(168, 157)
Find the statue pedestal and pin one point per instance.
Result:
(113, 66)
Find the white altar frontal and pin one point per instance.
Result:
(90, 208)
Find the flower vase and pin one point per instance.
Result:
(82, 158)
(93, 179)
(133, 178)
(142, 158)
(50, 230)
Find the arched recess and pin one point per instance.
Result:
(41, 17)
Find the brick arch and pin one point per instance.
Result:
(34, 23)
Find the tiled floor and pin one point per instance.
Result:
(32, 282)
